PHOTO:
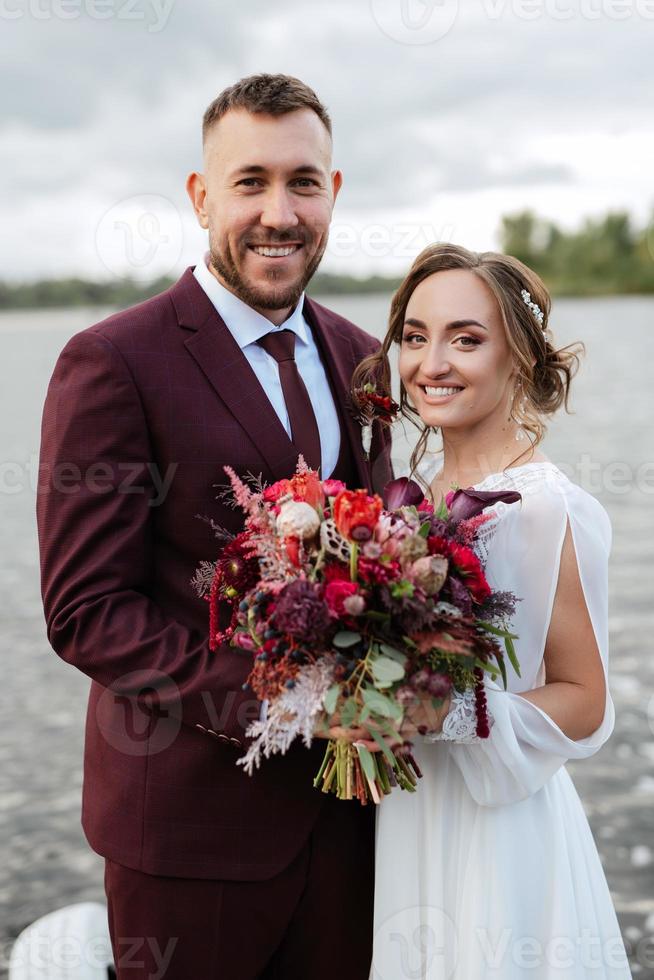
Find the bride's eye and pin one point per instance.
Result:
(471, 341)
(409, 337)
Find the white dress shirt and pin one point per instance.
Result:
(247, 327)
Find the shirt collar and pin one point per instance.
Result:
(245, 324)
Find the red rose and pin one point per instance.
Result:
(272, 493)
(335, 595)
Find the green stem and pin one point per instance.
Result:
(354, 560)
(318, 565)
(364, 669)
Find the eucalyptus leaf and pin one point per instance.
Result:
(367, 762)
(331, 698)
(345, 639)
(349, 712)
(383, 745)
(379, 704)
(393, 653)
(385, 670)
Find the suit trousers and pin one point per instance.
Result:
(313, 921)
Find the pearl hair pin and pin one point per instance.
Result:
(534, 307)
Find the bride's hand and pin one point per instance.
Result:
(423, 717)
(334, 730)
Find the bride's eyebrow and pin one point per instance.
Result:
(454, 325)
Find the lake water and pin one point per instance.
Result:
(607, 446)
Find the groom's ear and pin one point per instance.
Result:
(196, 188)
(337, 183)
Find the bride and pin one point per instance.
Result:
(490, 869)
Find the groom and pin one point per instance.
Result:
(210, 874)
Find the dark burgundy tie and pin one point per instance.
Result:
(304, 428)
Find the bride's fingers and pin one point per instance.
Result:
(348, 734)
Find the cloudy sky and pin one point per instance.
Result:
(446, 115)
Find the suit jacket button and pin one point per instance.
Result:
(236, 742)
(201, 728)
(223, 738)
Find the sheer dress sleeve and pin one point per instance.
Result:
(526, 747)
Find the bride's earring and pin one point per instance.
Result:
(520, 435)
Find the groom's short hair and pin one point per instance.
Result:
(273, 95)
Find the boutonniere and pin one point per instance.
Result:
(370, 406)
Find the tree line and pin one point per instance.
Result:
(604, 256)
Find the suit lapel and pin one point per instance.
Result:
(340, 359)
(229, 372)
(227, 369)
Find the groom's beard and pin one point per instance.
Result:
(263, 298)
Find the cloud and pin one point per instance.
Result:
(491, 115)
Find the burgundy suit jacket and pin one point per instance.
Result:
(162, 393)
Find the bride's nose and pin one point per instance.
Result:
(434, 363)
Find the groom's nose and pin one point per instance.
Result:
(278, 210)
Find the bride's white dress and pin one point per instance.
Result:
(490, 869)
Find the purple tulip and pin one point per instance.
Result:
(464, 504)
(402, 493)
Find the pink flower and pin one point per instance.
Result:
(467, 530)
(244, 641)
(332, 488)
(354, 605)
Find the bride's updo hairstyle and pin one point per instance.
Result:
(544, 373)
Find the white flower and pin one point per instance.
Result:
(429, 573)
(297, 519)
(366, 439)
(293, 714)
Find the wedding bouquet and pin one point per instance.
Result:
(352, 608)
